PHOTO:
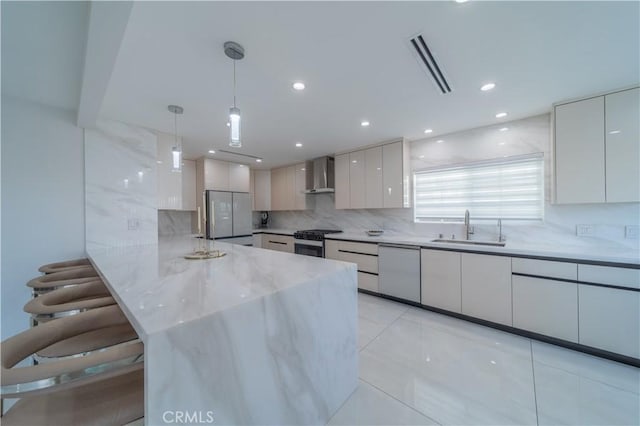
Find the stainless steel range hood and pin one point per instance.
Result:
(320, 176)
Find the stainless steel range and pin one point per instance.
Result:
(310, 242)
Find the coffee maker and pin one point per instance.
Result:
(264, 219)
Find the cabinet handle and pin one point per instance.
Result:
(278, 242)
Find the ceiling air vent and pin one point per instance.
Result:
(425, 57)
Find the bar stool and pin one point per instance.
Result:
(68, 301)
(66, 372)
(51, 268)
(115, 401)
(46, 283)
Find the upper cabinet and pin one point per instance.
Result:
(374, 178)
(622, 145)
(288, 185)
(176, 188)
(219, 175)
(261, 189)
(596, 149)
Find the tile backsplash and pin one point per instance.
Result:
(526, 136)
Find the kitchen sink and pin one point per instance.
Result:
(471, 242)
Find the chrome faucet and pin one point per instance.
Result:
(468, 229)
(500, 236)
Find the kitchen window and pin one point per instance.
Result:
(506, 188)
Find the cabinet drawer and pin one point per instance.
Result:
(278, 242)
(368, 282)
(365, 262)
(365, 248)
(546, 306)
(623, 277)
(545, 268)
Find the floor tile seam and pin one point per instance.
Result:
(573, 373)
(401, 402)
(533, 379)
(381, 331)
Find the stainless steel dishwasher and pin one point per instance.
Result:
(399, 271)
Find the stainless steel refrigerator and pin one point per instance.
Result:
(232, 214)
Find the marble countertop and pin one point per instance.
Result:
(587, 252)
(159, 289)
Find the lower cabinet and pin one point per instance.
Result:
(486, 287)
(546, 306)
(610, 319)
(364, 255)
(278, 243)
(399, 272)
(257, 240)
(440, 279)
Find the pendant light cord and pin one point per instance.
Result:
(234, 83)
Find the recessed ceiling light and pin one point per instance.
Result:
(365, 123)
(422, 156)
(211, 151)
(354, 161)
(258, 160)
(487, 87)
(501, 143)
(298, 145)
(298, 85)
(228, 124)
(501, 114)
(439, 141)
(428, 130)
(461, 1)
(614, 132)
(504, 129)
(159, 162)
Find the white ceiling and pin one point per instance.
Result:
(43, 51)
(356, 63)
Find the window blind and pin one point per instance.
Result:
(509, 188)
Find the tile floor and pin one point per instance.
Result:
(418, 367)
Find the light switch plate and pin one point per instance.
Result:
(133, 224)
(585, 230)
(631, 232)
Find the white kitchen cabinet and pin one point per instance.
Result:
(261, 190)
(287, 188)
(440, 279)
(189, 185)
(257, 240)
(579, 151)
(342, 184)
(546, 306)
(608, 275)
(544, 268)
(357, 180)
(486, 287)
(364, 255)
(373, 177)
(596, 149)
(622, 120)
(239, 177)
(278, 242)
(299, 186)
(609, 319)
(216, 175)
(395, 175)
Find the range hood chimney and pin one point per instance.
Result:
(320, 176)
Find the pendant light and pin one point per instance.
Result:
(236, 52)
(176, 150)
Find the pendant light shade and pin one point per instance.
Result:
(176, 150)
(236, 52)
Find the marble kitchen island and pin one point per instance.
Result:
(254, 337)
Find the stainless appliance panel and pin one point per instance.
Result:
(399, 272)
(242, 214)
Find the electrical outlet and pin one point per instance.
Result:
(631, 232)
(133, 224)
(584, 230)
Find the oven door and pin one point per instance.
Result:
(309, 248)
